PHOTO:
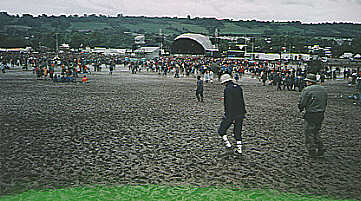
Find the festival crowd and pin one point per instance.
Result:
(71, 65)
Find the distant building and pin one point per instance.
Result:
(24, 50)
(346, 55)
(64, 47)
(148, 52)
(276, 56)
(105, 51)
(238, 52)
(99, 50)
(357, 56)
(140, 39)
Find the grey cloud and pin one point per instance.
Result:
(295, 2)
(96, 4)
(356, 1)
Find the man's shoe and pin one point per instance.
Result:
(239, 148)
(228, 144)
(226, 141)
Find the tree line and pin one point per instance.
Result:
(117, 32)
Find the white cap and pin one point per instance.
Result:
(225, 78)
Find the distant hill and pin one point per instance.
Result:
(92, 30)
(178, 25)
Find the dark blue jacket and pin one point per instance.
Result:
(199, 86)
(234, 105)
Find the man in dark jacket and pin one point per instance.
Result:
(287, 82)
(264, 78)
(199, 89)
(278, 81)
(313, 100)
(234, 111)
(301, 83)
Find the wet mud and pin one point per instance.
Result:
(147, 129)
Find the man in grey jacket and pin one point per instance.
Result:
(358, 87)
(313, 100)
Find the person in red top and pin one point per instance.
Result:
(84, 79)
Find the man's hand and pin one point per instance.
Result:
(300, 108)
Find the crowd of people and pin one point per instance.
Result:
(64, 67)
(282, 76)
(269, 73)
(67, 67)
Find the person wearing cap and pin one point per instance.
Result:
(234, 111)
(313, 100)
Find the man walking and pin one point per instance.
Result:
(264, 77)
(199, 89)
(111, 68)
(234, 111)
(313, 100)
(358, 87)
(278, 81)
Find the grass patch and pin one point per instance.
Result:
(154, 192)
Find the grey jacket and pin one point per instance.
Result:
(313, 99)
(358, 85)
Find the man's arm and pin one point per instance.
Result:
(227, 102)
(243, 105)
(302, 100)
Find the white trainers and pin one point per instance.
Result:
(228, 144)
(239, 147)
(226, 141)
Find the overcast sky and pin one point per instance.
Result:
(307, 11)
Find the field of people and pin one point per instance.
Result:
(147, 128)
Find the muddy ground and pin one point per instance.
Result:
(149, 129)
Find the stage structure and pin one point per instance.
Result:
(193, 44)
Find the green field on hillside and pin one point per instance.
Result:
(88, 25)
